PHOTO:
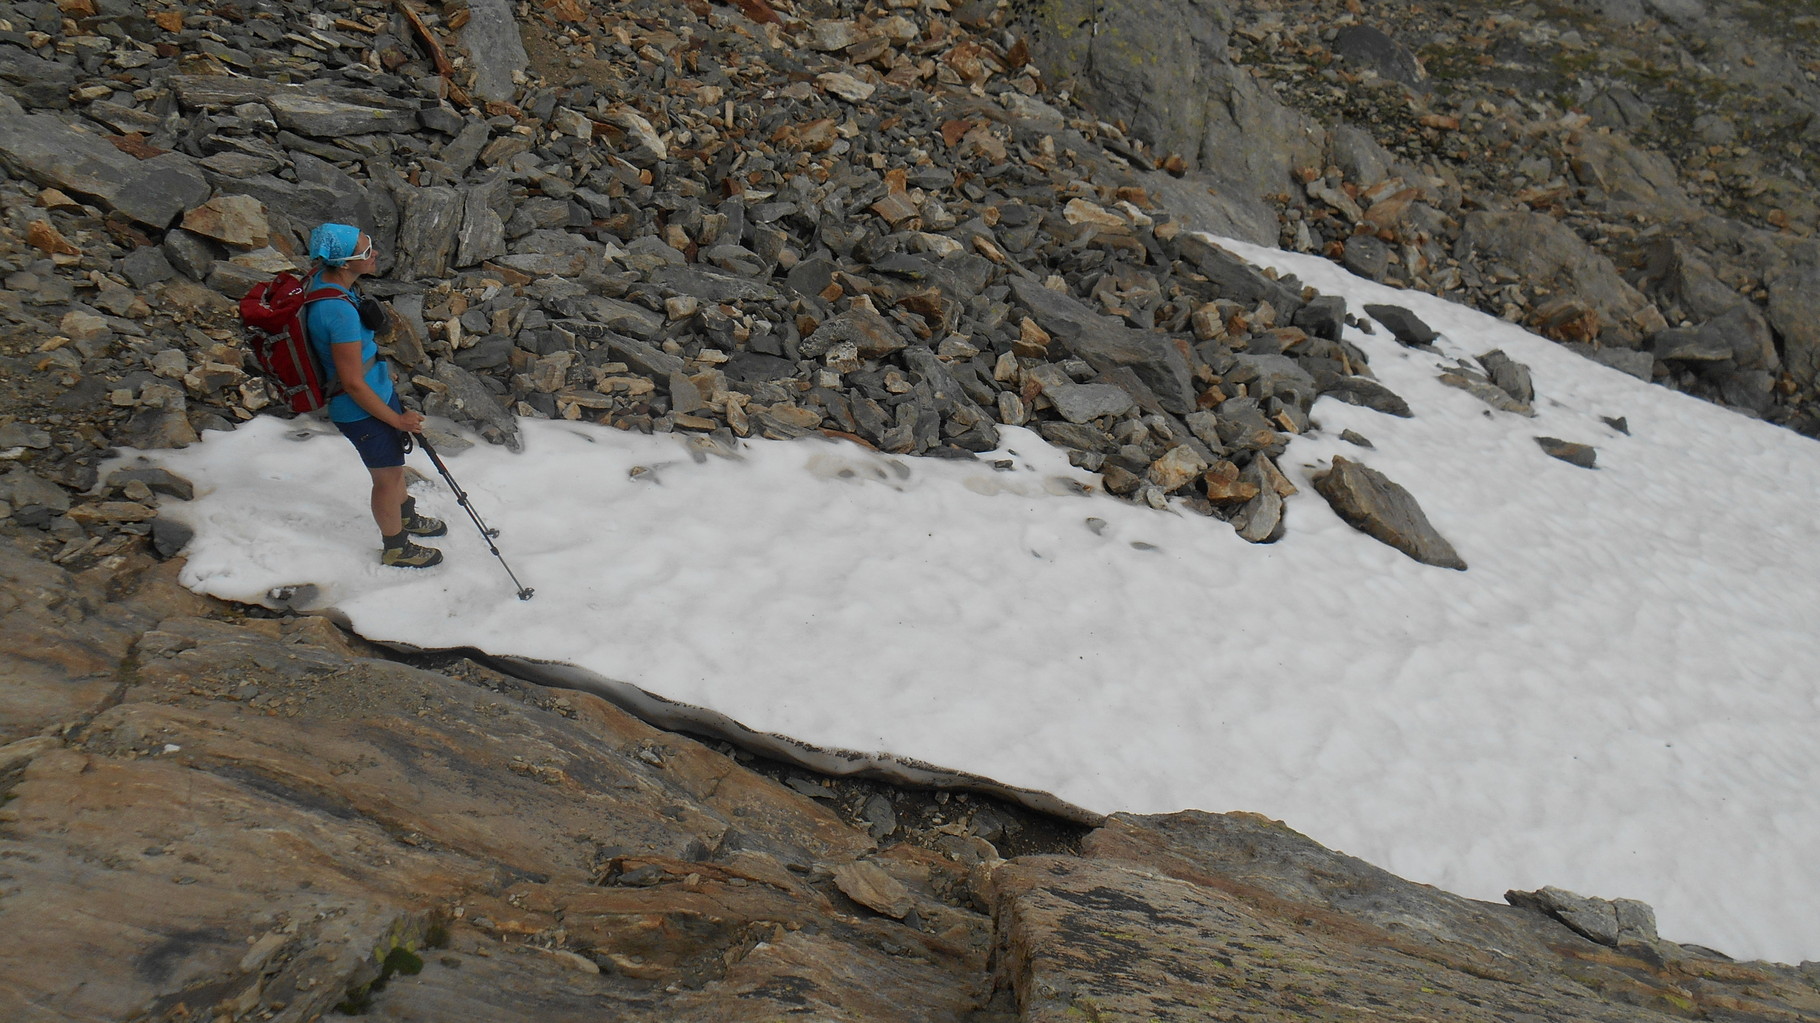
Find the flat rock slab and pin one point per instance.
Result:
(1583, 455)
(46, 149)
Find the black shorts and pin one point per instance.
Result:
(380, 446)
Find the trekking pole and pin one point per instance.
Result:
(486, 533)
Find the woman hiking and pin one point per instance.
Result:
(367, 409)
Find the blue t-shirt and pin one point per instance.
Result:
(333, 321)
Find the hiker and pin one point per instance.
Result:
(366, 409)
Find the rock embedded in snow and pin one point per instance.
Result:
(1404, 325)
(1372, 504)
(1582, 455)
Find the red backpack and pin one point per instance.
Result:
(272, 313)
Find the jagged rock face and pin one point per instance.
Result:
(258, 818)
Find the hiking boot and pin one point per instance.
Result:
(405, 554)
(420, 525)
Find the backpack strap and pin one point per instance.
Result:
(323, 294)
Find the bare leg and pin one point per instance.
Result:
(388, 499)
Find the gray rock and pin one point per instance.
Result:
(1511, 376)
(1365, 48)
(874, 336)
(1236, 280)
(494, 45)
(1549, 255)
(23, 435)
(1109, 345)
(1794, 310)
(153, 428)
(431, 230)
(47, 150)
(1404, 325)
(24, 490)
(1476, 384)
(1273, 376)
(36, 83)
(714, 286)
(646, 358)
(169, 536)
(466, 399)
(1083, 403)
(1641, 365)
(1690, 344)
(1324, 316)
(1366, 256)
(483, 233)
(1261, 519)
(1606, 921)
(145, 267)
(1368, 393)
(1369, 502)
(328, 119)
(157, 479)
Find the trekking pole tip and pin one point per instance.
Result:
(525, 594)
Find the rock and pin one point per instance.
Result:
(873, 336)
(466, 399)
(1690, 344)
(45, 149)
(1582, 455)
(1368, 393)
(236, 220)
(1366, 256)
(169, 536)
(867, 884)
(491, 37)
(153, 428)
(1475, 384)
(1638, 364)
(1159, 366)
(1083, 403)
(23, 435)
(1549, 255)
(1261, 519)
(1794, 310)
(1178, 467)
(1510, 376)
(1372, 504)
(1606, 921)
(1404, 325)
(1365, 48)
(25, 490)
(1236, 280)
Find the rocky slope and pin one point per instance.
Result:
(1628, 176)
(890, 222)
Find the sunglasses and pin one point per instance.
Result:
(366, 253)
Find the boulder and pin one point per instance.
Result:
(1404, 325)
(1109, 345)
(1371, 503)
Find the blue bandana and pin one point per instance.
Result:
(334, 243)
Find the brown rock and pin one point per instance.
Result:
(237, 220)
